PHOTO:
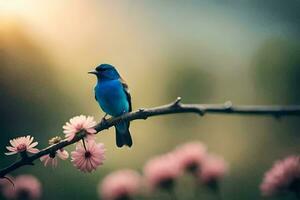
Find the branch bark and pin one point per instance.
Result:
(172, 108)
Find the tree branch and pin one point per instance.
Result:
(172, 108)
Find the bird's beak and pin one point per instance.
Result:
(92, 72)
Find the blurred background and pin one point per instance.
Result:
(207, 51)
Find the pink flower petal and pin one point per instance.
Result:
(33, 150)
(10, 153)
(33, 145)
(280, 177)
(63, 154)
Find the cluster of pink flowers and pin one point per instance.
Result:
(282, 177)
(162, 172)
(86, 157)
(25, 187)
(89, 155)
(193, 157)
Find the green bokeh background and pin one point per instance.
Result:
(204, 51)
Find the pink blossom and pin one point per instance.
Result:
(190, 155)
(88, 159)
(162, 171)
(282, 176)
(6, 182)
(121, 184)
(79, 123)
(22, 144)
(52, 159)
(25, 187)
(213, 170)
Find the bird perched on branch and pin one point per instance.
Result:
(112, 94)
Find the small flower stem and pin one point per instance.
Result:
(197, 193)
(83, 142)
(172, 194)
(23, 155)
(297, 194)
(219, 195)
(215, 186)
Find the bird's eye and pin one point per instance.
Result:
(103, 69)
(100, 69)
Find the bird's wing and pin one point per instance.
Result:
(126, 90)
(95, 94)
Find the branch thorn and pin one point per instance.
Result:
(228, 105)
(177, 101)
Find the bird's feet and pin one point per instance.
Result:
(104, 120)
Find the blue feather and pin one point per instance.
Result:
(114, 99)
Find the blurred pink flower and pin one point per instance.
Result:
(89, 159)
(52, 159)
(282, 176)
(161, 171)
(6, 182)
(22, 144)
(190, 155)
(79, 123)
(213, 170)
(26, 187)
(122, 184)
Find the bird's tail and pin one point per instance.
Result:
(123, 136)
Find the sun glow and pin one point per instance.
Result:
(12, 7)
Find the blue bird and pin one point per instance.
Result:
(112, 95)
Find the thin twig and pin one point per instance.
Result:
(172, 108)
(83, 142)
